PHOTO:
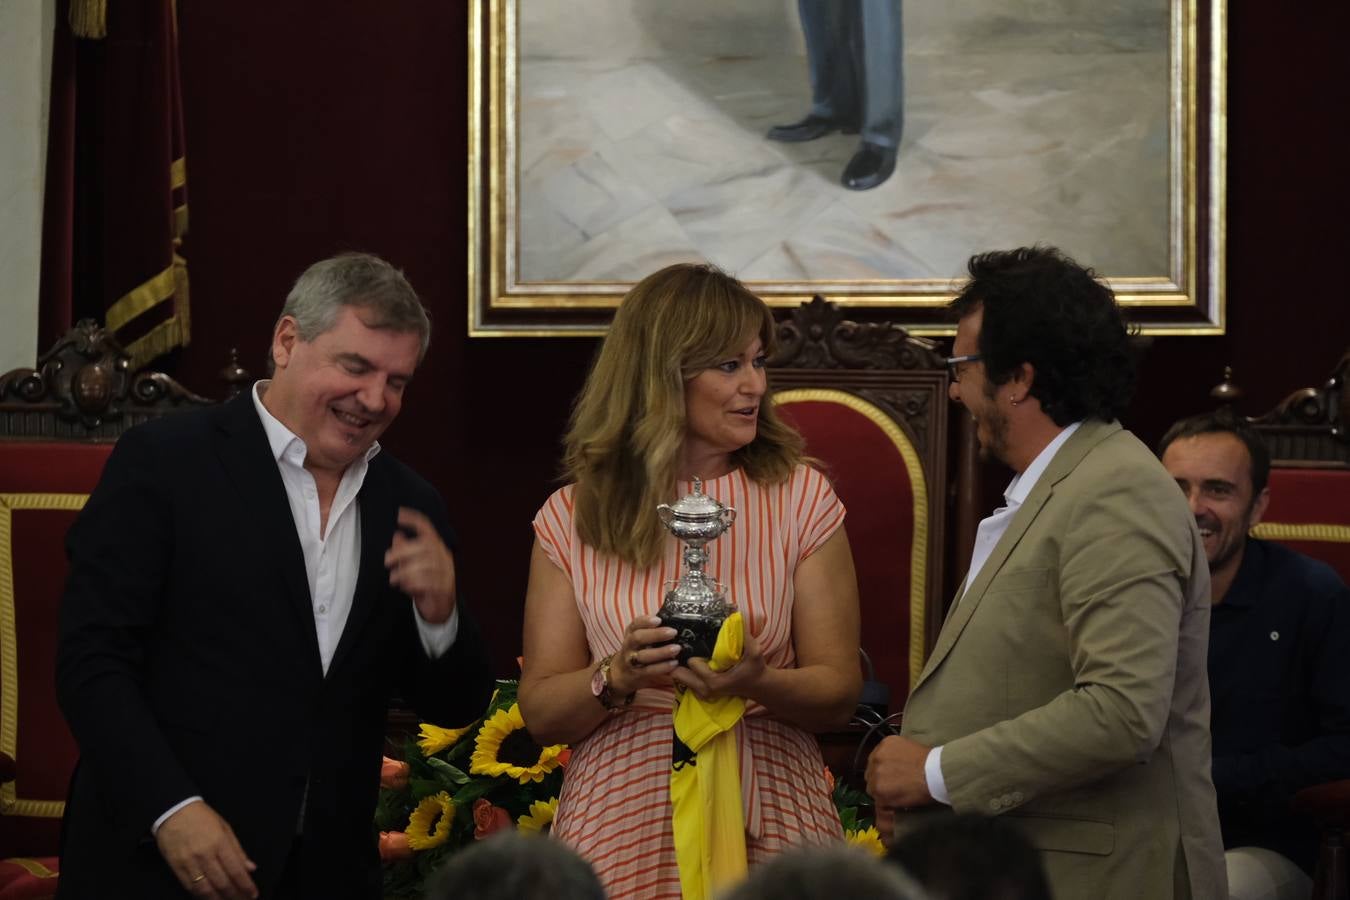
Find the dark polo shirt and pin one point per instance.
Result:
(1279, 676)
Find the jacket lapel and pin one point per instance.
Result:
(248, 461)
(1088, 435)
(378, 518)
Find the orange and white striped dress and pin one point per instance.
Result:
(615, 805)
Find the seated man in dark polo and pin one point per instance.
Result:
(1279, 659)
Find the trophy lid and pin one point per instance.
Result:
(696, 504)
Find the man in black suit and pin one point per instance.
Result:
(854, 49)
(248, 585)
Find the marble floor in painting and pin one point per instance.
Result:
(626, 166)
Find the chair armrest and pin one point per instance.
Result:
(1326, 804)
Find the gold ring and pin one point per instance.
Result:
(199, 877)
(633, 661)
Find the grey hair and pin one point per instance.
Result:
(362, 280)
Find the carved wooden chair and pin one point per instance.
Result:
(1308, 434)
(58, 422)
(871, 401)
(1310, 471)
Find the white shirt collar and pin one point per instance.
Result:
(285, 443)
(1020, 487)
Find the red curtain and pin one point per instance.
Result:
(115, 209)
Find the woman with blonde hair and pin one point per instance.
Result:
(678, 391)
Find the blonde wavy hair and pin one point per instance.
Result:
(628, 425)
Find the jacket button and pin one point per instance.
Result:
(996, 804)
(1017, 796)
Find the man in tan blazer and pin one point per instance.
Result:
(1067, 691)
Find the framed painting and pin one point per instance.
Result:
(860, 152)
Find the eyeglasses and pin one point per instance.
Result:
(954, 364)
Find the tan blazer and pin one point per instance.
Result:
(1068, 685)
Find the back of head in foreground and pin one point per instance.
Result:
(513, 866)
(825, 873)
(973, 857)
(1044, 309)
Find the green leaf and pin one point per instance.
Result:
(424, 787)
(464, 747)
(472, 791)
(849, 819)
(392, 810)
(507, 692)
(455, 775)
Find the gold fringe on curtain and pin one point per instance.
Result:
(175, 331)
(89, 18)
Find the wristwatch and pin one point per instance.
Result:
(600, 686)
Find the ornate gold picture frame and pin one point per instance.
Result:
(609, 138)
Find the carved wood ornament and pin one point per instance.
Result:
(842, 353)
(1310, 427)
(817, 336)
(84, 389)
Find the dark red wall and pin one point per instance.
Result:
(313, 128)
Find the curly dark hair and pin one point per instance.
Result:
(1041, 307)
(1225, 421)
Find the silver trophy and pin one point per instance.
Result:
(696, 606)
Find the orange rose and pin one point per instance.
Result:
(394, 846)
(565, 757)
(393, 774)
(488, 818)
(829, 780)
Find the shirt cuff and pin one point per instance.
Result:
(436, 639)
(932, 773)
(154, 829)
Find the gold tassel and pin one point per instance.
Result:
(182, 308)
(156, 342)
(89, 18)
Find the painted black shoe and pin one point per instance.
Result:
(869, 167)
(809, 129)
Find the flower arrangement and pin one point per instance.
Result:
(858, 828)
(457, 785)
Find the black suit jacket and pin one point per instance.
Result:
(188, 662)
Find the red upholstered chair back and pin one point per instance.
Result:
(1309, 511)
(871, 402)
(1310, 469)
(58, 422)
(877, 474)
(43, 485)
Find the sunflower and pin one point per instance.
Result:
(504, 747)
(434, 738)
(437, 809)
(867, 839)
(540, 817)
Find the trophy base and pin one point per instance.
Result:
(697, 635)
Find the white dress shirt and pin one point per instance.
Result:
(332, 558)
(988, 535)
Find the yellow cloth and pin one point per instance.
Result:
(705, 780)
